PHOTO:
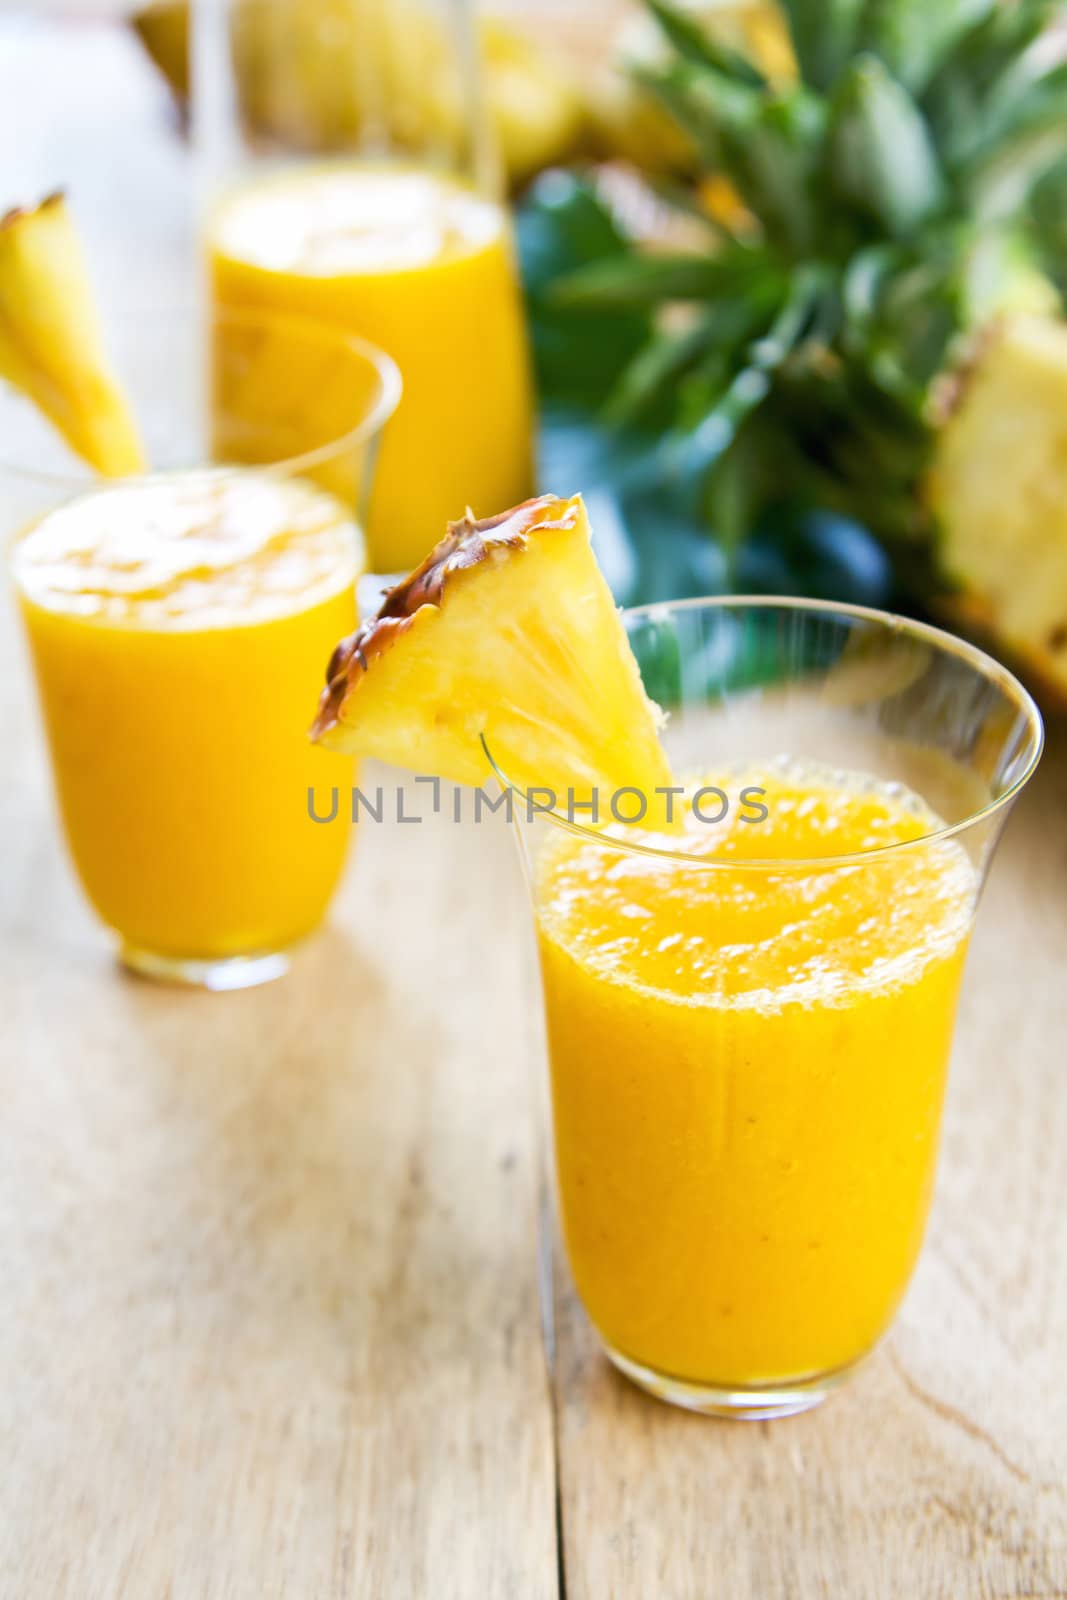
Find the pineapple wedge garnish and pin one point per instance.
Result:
(507, 632)
(51, 343)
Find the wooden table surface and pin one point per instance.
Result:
(270, 1320)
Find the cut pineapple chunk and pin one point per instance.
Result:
(51, 345)
(536, 110)
(999, 490)
(508, 631)
(307, 69)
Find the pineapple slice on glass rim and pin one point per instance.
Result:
(503, 652)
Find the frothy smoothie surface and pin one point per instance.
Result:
(348, 220)
(704, 935)
(202, 549)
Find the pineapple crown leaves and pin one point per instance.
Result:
(904, 189)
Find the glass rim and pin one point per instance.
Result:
(984, 664)
(390, 385)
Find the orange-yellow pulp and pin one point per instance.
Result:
(424, 269)
(157, 613)
(747, 1069)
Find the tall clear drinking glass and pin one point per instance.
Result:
(348, 174)
(749, 1019)
(178, 623)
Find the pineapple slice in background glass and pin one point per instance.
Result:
(51, 341)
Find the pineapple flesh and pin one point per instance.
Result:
(998, 488)
(51, 343)
(507, 632)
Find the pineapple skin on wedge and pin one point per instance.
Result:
(508, 631)
(51, 342)
(998, 489)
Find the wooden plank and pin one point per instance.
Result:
(270, 1320)
(270, 1306)
(940, 1473)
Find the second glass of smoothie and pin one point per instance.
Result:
(351, 178)
(158, 609)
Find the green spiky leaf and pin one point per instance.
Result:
(913, 38)
(768, 143)
(578, 354)
(882, 159)
(1002, 184)
(824, 34)
(695, 43)
(715, 110)
(909, 189)
(647, 280)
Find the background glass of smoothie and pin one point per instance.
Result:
(370, 199)
(749, 1021)
(159, 608)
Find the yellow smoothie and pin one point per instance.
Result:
(747, 1075)
(157, 612)
(424, 269)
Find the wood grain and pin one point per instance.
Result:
(270, 1320)
(940, 1473)
(269, 1305)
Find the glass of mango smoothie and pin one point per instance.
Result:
(749, 1006)
(348, 175)
(755, 832)
(154, 605)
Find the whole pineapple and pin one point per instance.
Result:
(876, 326)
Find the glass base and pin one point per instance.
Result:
(219, 974)
(759, 1403)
